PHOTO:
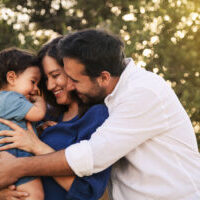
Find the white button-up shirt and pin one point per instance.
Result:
(148, 137)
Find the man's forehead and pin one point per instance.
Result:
(72, 65)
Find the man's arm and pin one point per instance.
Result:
(52, 164)
(131, 122)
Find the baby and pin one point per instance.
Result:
(20, 102)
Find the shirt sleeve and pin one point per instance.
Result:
(138, 118)
(17, 106)
(90, 187)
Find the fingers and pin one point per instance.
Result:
(12, 125)
(12, 187)
(52, 123)
(49, 123)
(45, 125)
(29, 126)
(13, 198)
(16, 193)
(20, 194)
(6, 140)
(6, 133)
(8, 146)
(13, 194)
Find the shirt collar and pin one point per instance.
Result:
(129, 66)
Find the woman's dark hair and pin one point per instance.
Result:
(97, 50)
(17, 60)
(50, 49)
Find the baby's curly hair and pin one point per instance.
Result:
(17, 60)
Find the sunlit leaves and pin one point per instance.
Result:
(161, 35)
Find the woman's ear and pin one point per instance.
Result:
(104, 78)
(11, 77)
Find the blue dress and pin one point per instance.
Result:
(63, 135)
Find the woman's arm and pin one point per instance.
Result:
(28, 141)
(89, 187)
(24, 140)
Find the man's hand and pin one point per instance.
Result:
(6, 170)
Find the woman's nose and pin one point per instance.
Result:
(50, 84)
(70, 85)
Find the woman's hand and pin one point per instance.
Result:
(19, 138)
(22, 139)
(11, 193)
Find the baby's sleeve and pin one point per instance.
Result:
(16, 106)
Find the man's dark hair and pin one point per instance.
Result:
(97, 50)
(17, 60)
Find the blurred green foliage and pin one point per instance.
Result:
(161, 35)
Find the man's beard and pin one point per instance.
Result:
(92, 100)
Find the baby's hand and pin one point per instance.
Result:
(36, 98)
(45, 125)
(40, 107)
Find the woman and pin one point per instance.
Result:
(74, 124)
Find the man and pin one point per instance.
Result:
(148, 135)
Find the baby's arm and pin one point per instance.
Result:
(38, 110)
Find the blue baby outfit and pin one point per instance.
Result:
(14, 107)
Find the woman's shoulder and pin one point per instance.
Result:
(96, 113)
(98, 108)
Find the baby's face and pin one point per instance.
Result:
(26, 83)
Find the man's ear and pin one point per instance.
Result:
(104, 78)
(11, 77)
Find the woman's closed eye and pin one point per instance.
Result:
(55, 75)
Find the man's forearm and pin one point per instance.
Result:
(52, 164)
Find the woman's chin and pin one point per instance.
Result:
(62, 102)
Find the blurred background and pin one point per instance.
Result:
(162, 36)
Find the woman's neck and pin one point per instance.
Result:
(72, 112)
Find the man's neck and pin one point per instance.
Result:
(112, 85)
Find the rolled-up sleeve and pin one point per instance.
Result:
(77, 152)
